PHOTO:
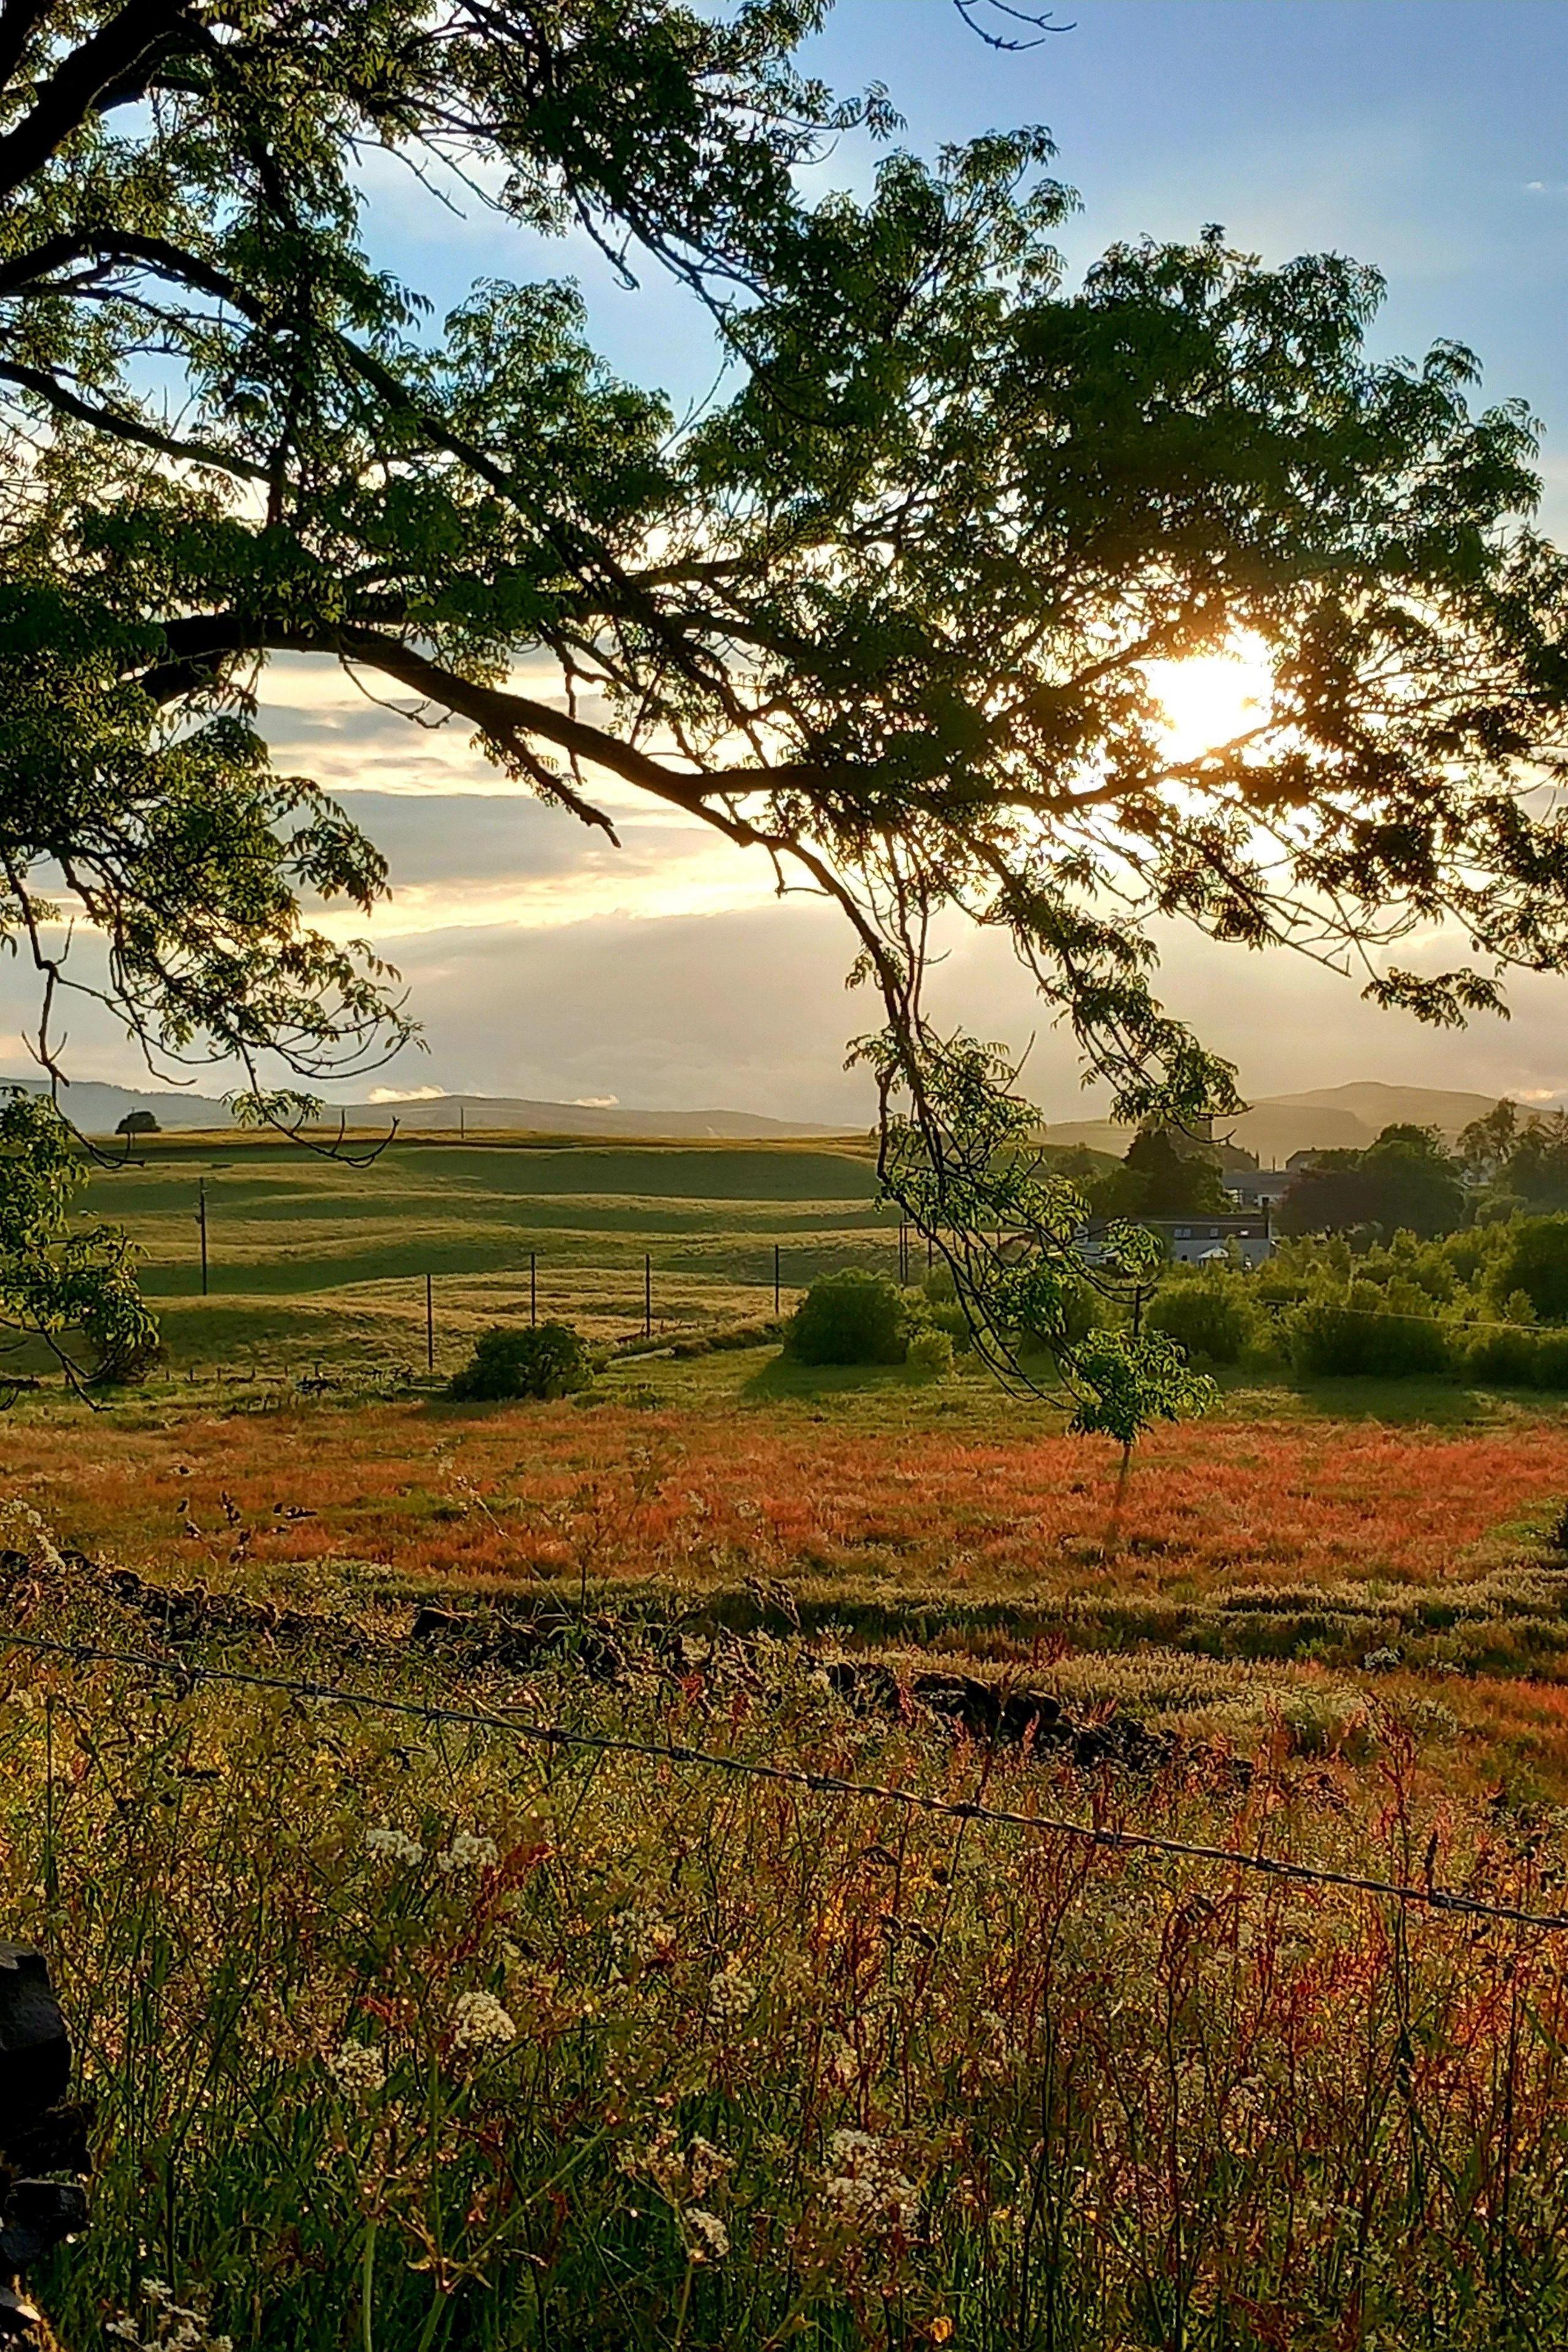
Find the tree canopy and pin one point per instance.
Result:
(1407, 1181)
(883, 610)
(1525, 1157)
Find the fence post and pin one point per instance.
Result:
(429, 1326)
(776, 1293)
(533, 1286)
(202, 1225)
(648, 1295)
(41, 2137)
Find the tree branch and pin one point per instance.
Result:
(122, 424)
(130, 42)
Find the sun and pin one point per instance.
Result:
(1210, 698)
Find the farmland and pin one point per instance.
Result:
(314, 1256)
(565, 2043)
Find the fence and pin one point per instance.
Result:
(187, 1674)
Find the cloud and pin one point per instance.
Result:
(406, 1094)
(595, 1102)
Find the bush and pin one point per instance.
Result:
(852, 1317)
(1330, 1340)
(546, 1359)
(930, 1354)
(1500, 1359)
(1211, 1317)
(1550, 1369)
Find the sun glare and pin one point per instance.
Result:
(1210, 698)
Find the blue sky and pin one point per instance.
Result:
(1429, 137)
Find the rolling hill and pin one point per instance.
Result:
(98, 1108)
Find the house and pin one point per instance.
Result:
(1198, 1240)
(1259, 1187)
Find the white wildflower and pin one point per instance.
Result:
(170, 2327)
(358, 2070)
(468, 1852)
(866, 2186)
(730, 1994)
(643, 1936)
(387, 1844)
(706, 2235)
(481, 2023)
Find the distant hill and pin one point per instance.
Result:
(97, 1109)
(1325, 1119)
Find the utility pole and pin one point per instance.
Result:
(202, 1228)
(429, 1326)
(462, 1125)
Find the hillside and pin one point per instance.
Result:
(1324, 1119)
(98, 1108)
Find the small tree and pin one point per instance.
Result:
(138, 1122)
(546, 1359)
(59, 1279)
(851, 1317)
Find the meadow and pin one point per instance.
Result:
(311, 1256)
(421, 2030)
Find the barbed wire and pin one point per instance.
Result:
(1425, 1894)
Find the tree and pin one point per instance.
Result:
(1536, 1263)
(1487, 1143)
(1406, 1181)
(884, 611)
(1537, 1166)
(138, 1122)
(1157, 1180)
(60, 1279)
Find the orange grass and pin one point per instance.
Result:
(706, 1494)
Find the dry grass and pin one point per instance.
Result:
(1256, 1571)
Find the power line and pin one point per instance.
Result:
(559, 1735)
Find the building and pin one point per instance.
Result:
(1198, 1241)
(1259, 1187)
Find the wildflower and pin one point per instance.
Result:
(387, 1844)
(643, 1936)
(481, 2023)
(706, 2235)
(705, 2164)
(358, 2070)
(730, 1994)
(171, 2326)
(468, 1852)
(866, 2186)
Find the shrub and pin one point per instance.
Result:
(546, 1359)
(851, 1317)
(1211, 1317)
(1550, 1369)
(1329, 1340)
(930, 1354)
(1500, 1359)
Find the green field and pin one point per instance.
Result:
(313, 1258)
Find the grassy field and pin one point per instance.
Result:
(312, 1258)
(410, 2032)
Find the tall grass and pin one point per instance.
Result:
(410, 2037)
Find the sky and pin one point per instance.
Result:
(1426, 136)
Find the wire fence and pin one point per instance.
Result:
(187, 1674)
